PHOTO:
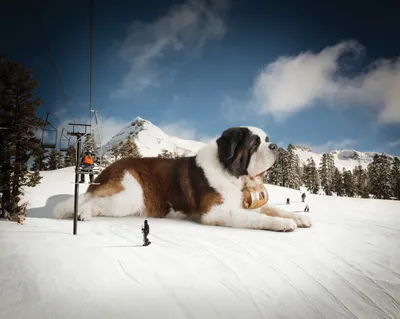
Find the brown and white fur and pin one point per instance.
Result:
(206, 187)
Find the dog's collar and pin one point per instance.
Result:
(254, 197)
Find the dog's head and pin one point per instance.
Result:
(246, 151)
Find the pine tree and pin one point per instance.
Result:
(175, 154)
(278, 172)
(305, 175)
(324, 175)
(386, 178)
(165, 154)
(129, 148)
(18, 107)
(292, 168)
(360, 181)
(315, 180)
(395, 177)
(373, 175)
(379, 172)
(310, 176)
(338, 185)
(348, 183)
(326, 171)
(40, 160)
(115, 150)
(90, 144)
(70, 156)
(55, 160)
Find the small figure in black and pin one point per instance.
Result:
(306, 209)
(146, 231)
(87, 166)
(288, 201)
(303, 197)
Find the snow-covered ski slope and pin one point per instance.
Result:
(347, 265)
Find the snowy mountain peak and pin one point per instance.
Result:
(345, 154)
(151, 140)
(303, 148)
(140, 123)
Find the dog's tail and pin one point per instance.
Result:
(65, 209)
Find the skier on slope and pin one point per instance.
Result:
(146, 232)
(303, 197)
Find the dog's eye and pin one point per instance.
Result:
(267, 139)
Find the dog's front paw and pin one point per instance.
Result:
(84, 215)
(283, 224)
(302, 221)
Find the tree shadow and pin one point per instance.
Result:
(47, 210)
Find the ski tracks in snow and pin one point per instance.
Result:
(308, 253)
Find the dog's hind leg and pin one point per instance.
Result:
(114, 199)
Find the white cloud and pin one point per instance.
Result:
(109, 126)
(60, 112)
(187, 26)
(332, 145)
(394, 144)
(184, 130)
(293, 83)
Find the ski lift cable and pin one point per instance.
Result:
(52, 128)
(63, 147)
(52, 60)
(90, 83)
(59, 122)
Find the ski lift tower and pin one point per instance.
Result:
(79, 135)
(79, 138)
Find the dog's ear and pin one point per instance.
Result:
(227, 143)
(232, 152)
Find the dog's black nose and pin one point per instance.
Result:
(273, 146)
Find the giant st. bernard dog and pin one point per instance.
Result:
(206, 187)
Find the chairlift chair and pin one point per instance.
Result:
(48, 127)
(64, 141)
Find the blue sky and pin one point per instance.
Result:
(324, 75)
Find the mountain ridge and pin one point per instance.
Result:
(151, 140)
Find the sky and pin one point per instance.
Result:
(321, 74)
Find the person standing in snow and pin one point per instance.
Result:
(303, 197)
(87, 165)
(146, 232)
(306, 209)
(288, 201)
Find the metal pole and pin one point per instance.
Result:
(98, 132)
(90, 57)
(76, 196)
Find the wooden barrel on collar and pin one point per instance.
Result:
(254, 197)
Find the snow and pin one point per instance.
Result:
(151, 140)
(345, 266)
(343, 158)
